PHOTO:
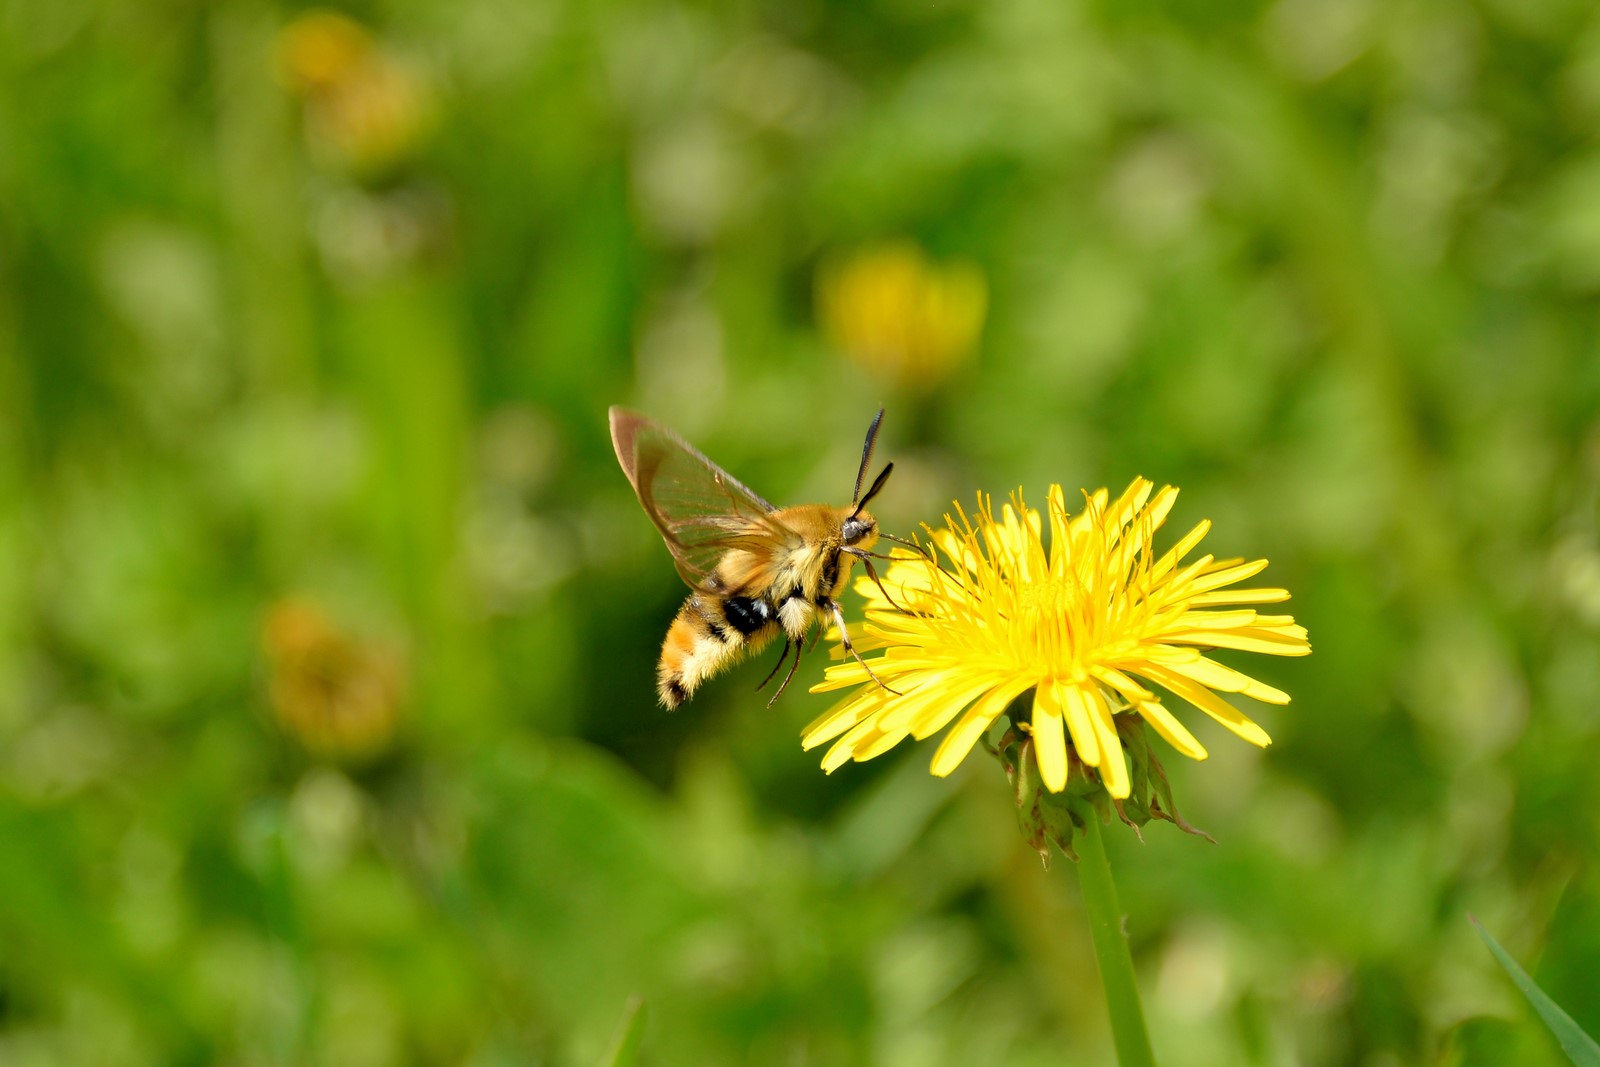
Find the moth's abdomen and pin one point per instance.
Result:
(707, 636)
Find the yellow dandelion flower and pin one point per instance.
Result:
(901, 316)
(1096, 626)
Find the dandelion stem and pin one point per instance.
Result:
(1111, 946)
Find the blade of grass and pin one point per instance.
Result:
(629, 1036)
(1579, 1046)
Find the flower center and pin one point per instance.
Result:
(1048, 596)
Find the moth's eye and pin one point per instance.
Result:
(854, 530)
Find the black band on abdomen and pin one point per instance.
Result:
(746, 614)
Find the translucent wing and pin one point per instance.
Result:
(701, 510)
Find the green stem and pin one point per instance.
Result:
(1111, 947)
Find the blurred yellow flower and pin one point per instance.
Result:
(364, 110)
(336, 695)
(900, 315)
(1086, 627)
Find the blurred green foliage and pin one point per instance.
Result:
(329, 313)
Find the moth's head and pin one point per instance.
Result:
(859, 529)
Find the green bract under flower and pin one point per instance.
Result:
(1098, 625)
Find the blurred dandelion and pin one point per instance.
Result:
(336, 694)
(365, 110)
(901, 316)
(1086, 627)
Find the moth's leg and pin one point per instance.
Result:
(844, 638)
(866, 559)
(773, 673)
(786, 678)
(920, 549)
(816, 635)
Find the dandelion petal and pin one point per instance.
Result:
(1076, 702)
(1113, 768)
(1049, 746)
(1171, 730)
(978, 718)
(1212, 705)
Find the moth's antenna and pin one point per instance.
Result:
(866, 455)
(877, 483)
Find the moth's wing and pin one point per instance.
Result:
(701, 510)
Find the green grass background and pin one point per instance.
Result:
(1328, 265)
